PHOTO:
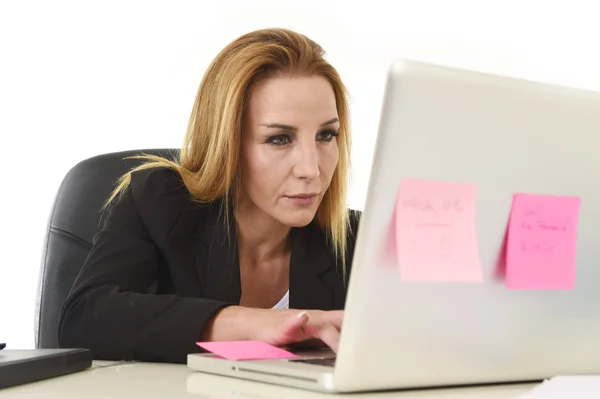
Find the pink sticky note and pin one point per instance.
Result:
(246, 350)
(542, 241)
(436, 232)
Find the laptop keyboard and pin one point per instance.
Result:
(321, 361)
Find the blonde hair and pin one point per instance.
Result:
(208, 160)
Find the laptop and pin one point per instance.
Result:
(409, 325)
(19, 367)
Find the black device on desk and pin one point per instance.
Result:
(24, 366)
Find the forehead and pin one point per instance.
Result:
(292, 98)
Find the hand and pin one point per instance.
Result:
(286, 327)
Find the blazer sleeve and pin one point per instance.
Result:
(110, 309)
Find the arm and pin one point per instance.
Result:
(110, 309)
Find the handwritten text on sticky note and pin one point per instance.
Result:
(542, 240)
(246, 350)
(436, 231)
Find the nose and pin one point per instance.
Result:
(306, 165)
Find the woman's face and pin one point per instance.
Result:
(289, 148)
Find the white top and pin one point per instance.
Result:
(284, 303)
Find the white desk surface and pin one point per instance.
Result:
(149, 380)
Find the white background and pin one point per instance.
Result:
(80, 78)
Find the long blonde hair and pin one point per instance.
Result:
(208, 160)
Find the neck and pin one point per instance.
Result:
(260, 237)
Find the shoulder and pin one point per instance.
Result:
(354, 218)
(156, 183)
(160, 197)
(353, 223)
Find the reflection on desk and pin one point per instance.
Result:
(117, 380)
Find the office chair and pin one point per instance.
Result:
(74, 220)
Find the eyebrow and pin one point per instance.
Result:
(294, 128)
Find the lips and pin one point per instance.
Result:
(304, 199)
(302, 196)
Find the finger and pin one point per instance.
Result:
(330, 336)
(336, 317)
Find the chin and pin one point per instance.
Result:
(299, 223)
(297, 219)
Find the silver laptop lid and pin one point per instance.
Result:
(500, 136)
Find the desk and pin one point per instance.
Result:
(149, 380)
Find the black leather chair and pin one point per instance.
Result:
(74, 220)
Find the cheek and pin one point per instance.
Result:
(264, 171)
(329, 158)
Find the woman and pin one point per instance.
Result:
(251, 218)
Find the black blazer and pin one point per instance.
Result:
(162, 266)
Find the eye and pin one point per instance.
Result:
(327, 135)
(279, 140)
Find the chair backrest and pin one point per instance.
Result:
(74, 220)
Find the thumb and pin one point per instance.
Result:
(295, 323)
(292, 325)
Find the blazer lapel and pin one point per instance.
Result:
(217, 261)
(310, 260)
